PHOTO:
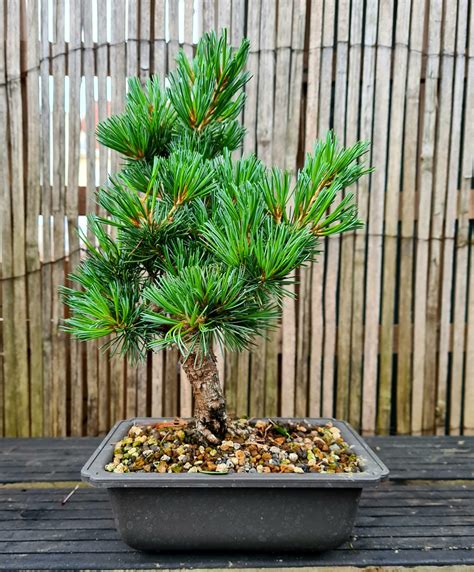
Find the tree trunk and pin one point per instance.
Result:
(209, 402)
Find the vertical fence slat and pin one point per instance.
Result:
(312, 288)
(159, 59)
(450, 227)
(438, 191)
(76, 348)
(4, 228)
(326, 105)
(118, 82)
(185, 394)
(462, 259)
(238, 374)
(171, 382)
(280, 132)
(375, 228)
(360, 244)
(264, 356)
(333, 242)
(33, 207)
(407, 227)
(466, 189)
(424, 210)
(394, 172)
(349, 394)
(103, 422)
(281, 121)
(14, 95)
(8, 310)
(132, 374)
(57, 211)
(90, 124)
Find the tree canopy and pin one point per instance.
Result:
(203, 245)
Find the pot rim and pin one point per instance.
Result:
(374, 470)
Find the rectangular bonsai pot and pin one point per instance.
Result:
(267, 512)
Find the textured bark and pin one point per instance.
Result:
(209, 402)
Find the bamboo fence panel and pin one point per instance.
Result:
(382, 329)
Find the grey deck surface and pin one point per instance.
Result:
(423, 516)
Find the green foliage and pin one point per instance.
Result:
(203, 246)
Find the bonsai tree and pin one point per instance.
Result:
(204, 245)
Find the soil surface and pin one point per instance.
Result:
(249, 447)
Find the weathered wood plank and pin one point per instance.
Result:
(409, 184)
(466, 184)
(348, 405)
(394, 174)
(360, 262)
(14, 300)
(33, 205)
(118, 81)
(397, 525)
(285, 337)
(7, 333)
(264, 355)
(443, 138)
(76, 349)
(424, 210)
(375, 227)
(450, 224)
(310, 279)
(90, 125)
(103, 102)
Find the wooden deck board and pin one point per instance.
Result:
(423, 516)
(44, 459)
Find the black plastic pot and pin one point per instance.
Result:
(235, 512)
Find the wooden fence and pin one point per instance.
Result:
(382, 332)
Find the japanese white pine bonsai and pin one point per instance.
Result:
(204, 245)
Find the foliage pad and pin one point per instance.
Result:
(203, 245)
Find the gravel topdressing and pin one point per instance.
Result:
(249, 447)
